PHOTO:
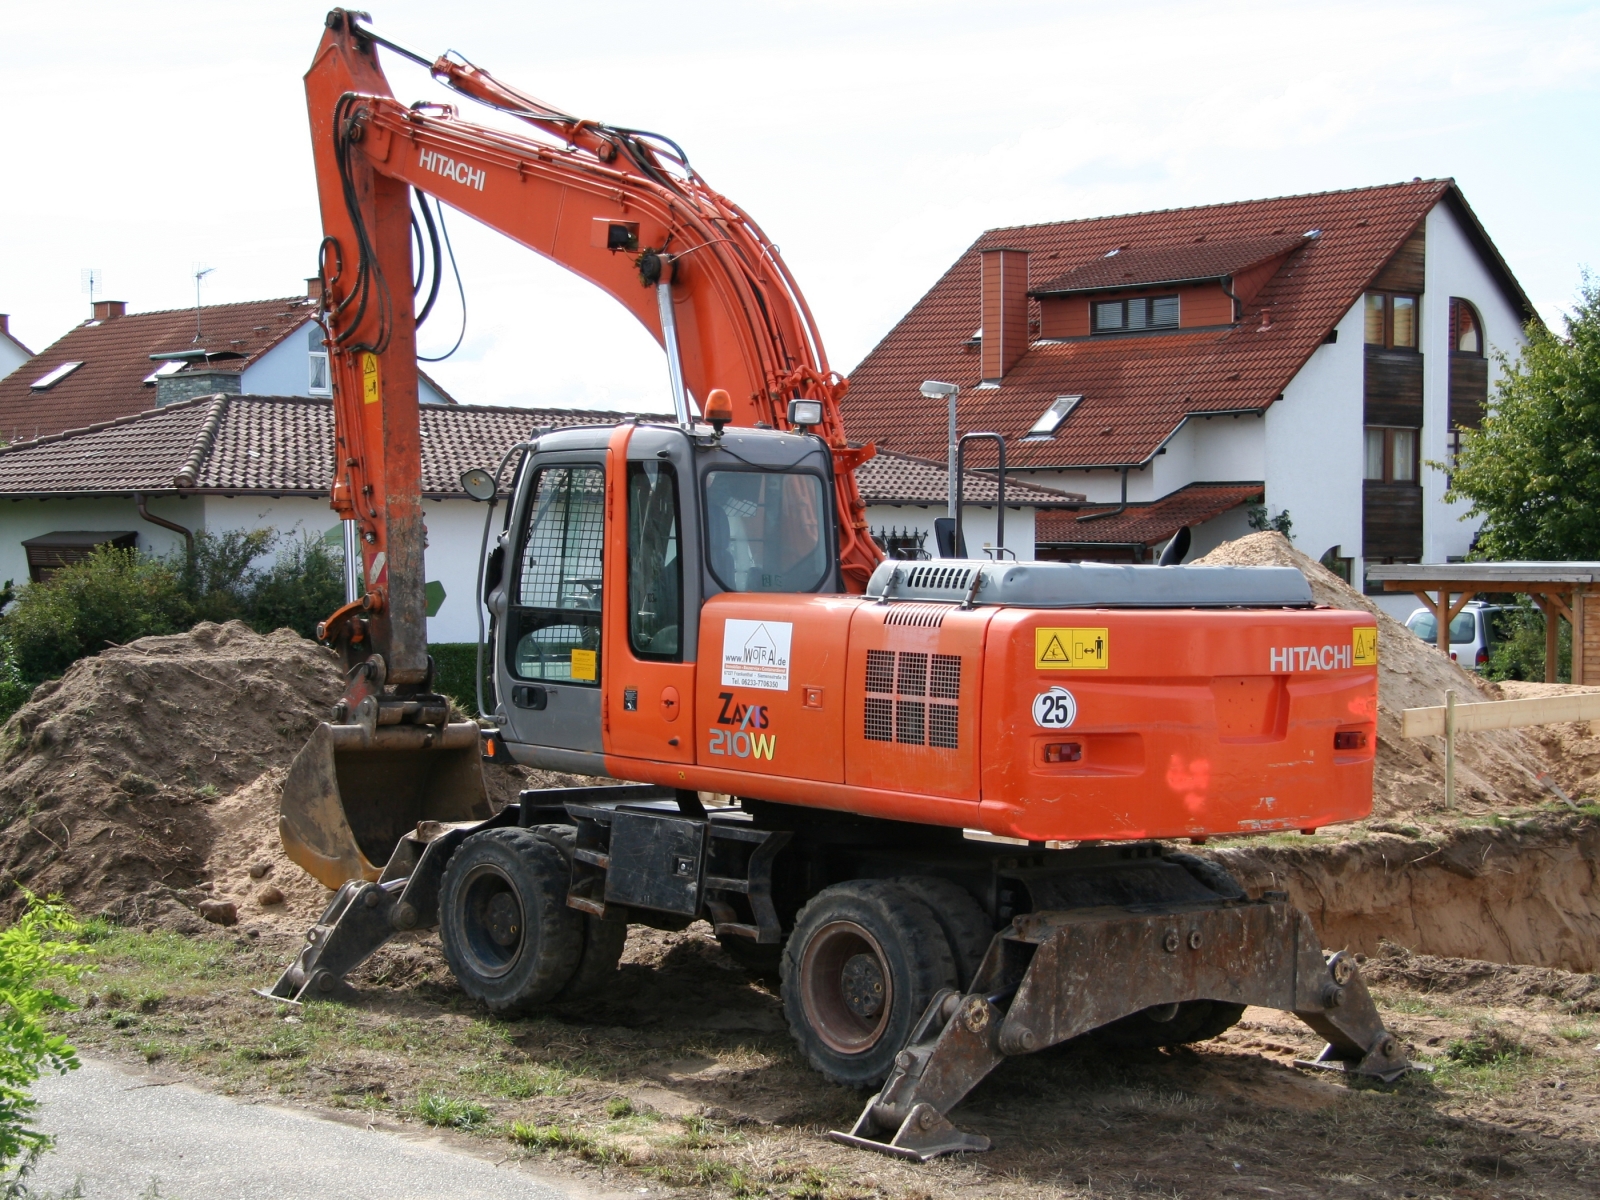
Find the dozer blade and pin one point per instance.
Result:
(354, 791)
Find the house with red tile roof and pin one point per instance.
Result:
(1307, 355)
(118, 363)
(240, 462)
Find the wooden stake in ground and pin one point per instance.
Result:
(1450, 748)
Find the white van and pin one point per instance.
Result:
(1473, 632)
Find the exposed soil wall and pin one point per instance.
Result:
(1524, 892)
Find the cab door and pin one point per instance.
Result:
(549, 656)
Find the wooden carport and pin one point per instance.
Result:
(1569, 590)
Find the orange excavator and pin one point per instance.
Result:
(934, 800)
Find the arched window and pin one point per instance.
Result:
(1466, 328)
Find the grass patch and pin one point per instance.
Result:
(451, 1112)
(1488, 1046)
(618, 1107)
(566, 1140)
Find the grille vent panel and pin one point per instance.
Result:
(950, 579)
(896, 710)
(927, 615)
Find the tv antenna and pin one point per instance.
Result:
(91, 282)
(200, 273)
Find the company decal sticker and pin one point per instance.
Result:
(1055, 709)
(755, 654)
(1311, 658)
(371, 389)
(443, 164)
(585, 664)
(1071, 649)
(741, 734)
(1364, 645)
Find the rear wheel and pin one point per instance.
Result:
(966, 926)
(603, 941)
(861, 966)
(504, 924)
(1194, 1021)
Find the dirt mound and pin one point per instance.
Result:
(1470, 981)
(1495, 769)
(146, 780)
(1521, 891)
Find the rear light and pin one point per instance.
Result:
(1483, 657)
(1060, 752)
(1350, 739)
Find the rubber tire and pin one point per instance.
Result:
(966, 926)
(1196, 1021)
(603, 941)
(552, 934)
(917, 958)
(1212, 874)
(763, 962)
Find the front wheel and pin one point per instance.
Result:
(863, 963)
(507, 933)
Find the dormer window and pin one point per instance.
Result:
(1135, 314)
(45, 382)
(1045, 427)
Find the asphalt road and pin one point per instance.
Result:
(122, 1135)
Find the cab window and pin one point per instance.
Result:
(555, 618)
(655, 568)
(766, 531)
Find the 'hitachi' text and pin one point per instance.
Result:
(439, 164)
(1310, 658)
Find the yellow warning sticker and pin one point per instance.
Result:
(584, 663)
(1364, 646)
(1071, 649)
(371, 392)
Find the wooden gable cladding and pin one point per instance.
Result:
(1469, 390)
(1393, 387)
(1404, 272)
(1391, 523)
(1199, 306)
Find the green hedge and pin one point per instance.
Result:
(453, 664)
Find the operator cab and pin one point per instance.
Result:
(751, 510)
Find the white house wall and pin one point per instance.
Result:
(1453, 270)
(285, 370)
(23, 519)
(1315, 445)
(977, 525)
(12, 356)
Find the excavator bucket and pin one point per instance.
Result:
(354, 791)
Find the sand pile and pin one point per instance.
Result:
(1495, 769)
(145, 781)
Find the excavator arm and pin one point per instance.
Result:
(619, 207)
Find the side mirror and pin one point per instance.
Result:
(478, 484)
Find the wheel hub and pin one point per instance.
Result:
(862, 980)
(504, 919)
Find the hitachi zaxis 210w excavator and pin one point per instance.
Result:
(696, 608)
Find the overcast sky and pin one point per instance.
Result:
(872, 139)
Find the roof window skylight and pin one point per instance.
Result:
(165, 369)
(1045, 427)
(45, 382)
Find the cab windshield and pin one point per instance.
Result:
(766, 531)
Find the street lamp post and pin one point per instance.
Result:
(934, 390)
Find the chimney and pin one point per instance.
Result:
(5, 324)
(314, 287)
(1004, 310)
(104, 310)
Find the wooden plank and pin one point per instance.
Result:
(1502, 714)
(1393, 387)
(1391, 522)
(1469, 390)
(1406, 271)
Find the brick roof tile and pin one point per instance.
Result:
(1147, 524)
(1137, 266)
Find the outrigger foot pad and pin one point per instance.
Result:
(925, 1134)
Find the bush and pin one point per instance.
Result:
(32, 954)
(453, 667)
(299, 589)
(1520, 652)
(110, 598)
(115, 596)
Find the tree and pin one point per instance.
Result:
(1532, 471)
